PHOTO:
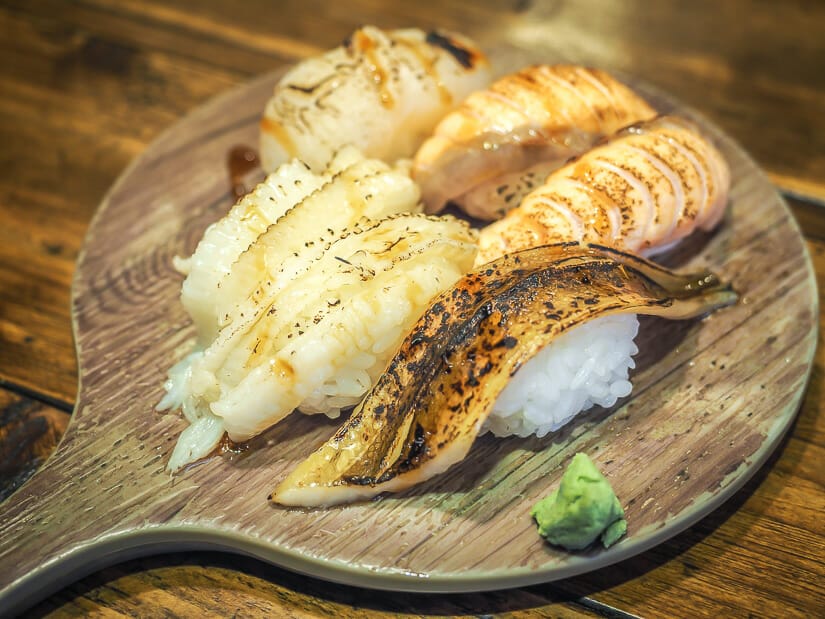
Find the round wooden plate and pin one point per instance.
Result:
(711, 400)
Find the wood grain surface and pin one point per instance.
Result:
(29, 432)
(85, 86)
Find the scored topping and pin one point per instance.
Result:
(381, 91)
(650, 185)
(541, 115)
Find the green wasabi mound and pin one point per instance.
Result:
(583, 508)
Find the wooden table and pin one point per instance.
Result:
(85, 86)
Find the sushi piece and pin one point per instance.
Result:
(332, 331)
(501, 142)
(590, 366)
(381, 91)
(227, 239)
(648, 187)
(644, 190)
(428, 407)
(311, 311)
(363, 188)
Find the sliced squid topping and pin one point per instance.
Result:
(425, 411)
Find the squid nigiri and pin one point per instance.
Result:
(648, 187)
(498, 143)
(229, 239)
(382, 92)
(306, 312)
(462, 352)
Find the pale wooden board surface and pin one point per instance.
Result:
(710, 399)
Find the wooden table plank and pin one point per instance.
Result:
(29, 432)
(809, 215)
(215, 585)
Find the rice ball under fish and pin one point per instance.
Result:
(585, 367)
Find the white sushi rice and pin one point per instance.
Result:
(585, 367)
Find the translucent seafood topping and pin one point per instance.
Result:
(305, 312)
(381, 91)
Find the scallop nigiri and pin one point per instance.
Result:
(381, 91)
(499, 142)
(645, 189)
(428, 407)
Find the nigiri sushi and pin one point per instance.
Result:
(645, 189)
(382, 92)
(500, 142)
(462, 352)
(648, 187)
(309, 313)
(229, 238)
(329, 335)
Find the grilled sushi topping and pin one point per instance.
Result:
(487, 153)
(426, 410)
(382, 92)
(300, 297)
(649, 186)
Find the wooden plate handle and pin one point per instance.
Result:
(87, 507)
(44, 529)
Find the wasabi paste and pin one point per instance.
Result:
(582, 509)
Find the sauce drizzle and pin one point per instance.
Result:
(362, 43)
(240, 161)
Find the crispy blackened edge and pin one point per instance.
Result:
(502, 287)
(465, 57)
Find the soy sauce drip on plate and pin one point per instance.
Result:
(240, 161)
